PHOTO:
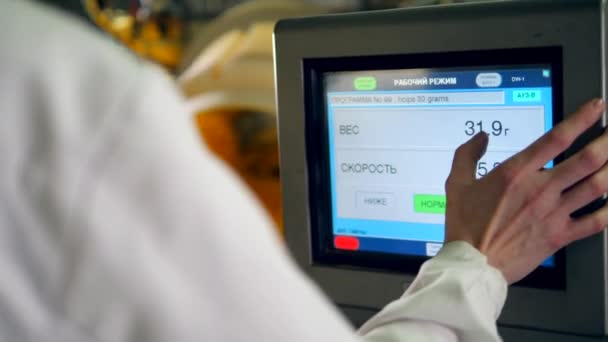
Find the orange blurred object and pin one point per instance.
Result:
(245, 136)
(157, 37)
(247, 141)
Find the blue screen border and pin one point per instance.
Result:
(318, 173)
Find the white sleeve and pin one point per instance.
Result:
(456, 293)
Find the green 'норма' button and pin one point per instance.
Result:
(429, 204)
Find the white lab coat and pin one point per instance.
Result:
(117, 225)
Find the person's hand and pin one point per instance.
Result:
(519, 214)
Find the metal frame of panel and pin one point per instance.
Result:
(575, 25)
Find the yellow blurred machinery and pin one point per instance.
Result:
(227, 77)
(147, 27)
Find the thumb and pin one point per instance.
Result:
(466, 157)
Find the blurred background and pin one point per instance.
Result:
(220, 54)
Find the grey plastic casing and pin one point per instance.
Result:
(575, 25)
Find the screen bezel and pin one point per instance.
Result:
(317, 149)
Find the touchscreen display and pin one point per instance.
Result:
(392, 136)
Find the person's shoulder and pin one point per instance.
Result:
(40, 40)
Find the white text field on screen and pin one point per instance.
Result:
(419, 99)
(510, 128)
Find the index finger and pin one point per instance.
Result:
(554, 142)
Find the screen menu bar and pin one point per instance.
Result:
(434, 79)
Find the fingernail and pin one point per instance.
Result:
(597, 103)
